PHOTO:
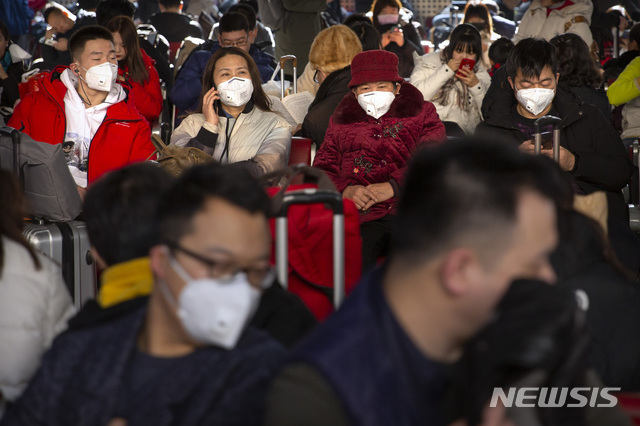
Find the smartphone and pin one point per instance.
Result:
(466, 64)
(50, 42)
(547, 140)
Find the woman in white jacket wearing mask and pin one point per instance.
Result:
(233, 122)
(34, 302)
(456, 92)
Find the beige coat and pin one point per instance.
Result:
(536, 23)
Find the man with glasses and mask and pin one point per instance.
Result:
(590, 148)
(234, 31)
(85, 109)
(186, 357)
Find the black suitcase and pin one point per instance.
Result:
(66, 243)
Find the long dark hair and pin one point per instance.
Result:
(478, 10)
(577, 67)
(378, 5)
(464, 37)
(11, 216)
(137, 69)
(259, 98)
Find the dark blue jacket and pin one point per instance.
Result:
(83, 374)
(374, 368)
(185, 93)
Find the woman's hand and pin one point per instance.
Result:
(454, 64)
(361, 196)
(397, 35)
(468, 77)
(208, 109)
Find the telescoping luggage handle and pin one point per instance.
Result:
(539, 124)
(15, 139)
(313, 196)
(283, 60)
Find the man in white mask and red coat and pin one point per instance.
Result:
(83, 107)
(370, 139)
(590, 148)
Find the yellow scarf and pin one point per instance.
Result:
(125, 281)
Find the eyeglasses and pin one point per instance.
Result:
(261, 277)
(238, 43)
(315, 76)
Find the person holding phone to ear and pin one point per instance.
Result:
(455, 79)
(234, 122)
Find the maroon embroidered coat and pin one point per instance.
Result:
(360, 150)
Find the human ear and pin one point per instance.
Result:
(456, 271)
(158, 259)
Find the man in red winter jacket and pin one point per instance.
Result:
(83, 108)
(369, 142)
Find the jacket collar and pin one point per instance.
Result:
(408, 103)
(336, 82)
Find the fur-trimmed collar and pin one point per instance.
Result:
(408, 103)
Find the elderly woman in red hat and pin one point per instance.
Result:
(370, 139)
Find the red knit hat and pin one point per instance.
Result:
(374, 65)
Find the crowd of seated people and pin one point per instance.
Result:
(462, 224)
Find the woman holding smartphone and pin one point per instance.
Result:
(454, 79)
(233, 122)
(136, 68)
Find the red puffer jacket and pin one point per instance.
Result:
(360, 150)
(147, 97)
(123, 137)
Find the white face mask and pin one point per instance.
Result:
(101, 77)
(388, 19)
(212, 311)
(535, 100)
(376, 104)
(236, 92)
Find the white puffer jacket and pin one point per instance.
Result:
(34, 307)
(574, 18)
(430, 74)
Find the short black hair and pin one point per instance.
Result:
(357, 18)
(634, 34)
(234, 21)
(80, 38)
(170, 3)
(5, 31)
(54, 8)
(465, 38)
(88, 4)
(231, 183)
(577, 66)
(109, 9)
(120, 211)
(247, 11)
(499, 50)
(368, 35)
(531, 56)
(465, 188)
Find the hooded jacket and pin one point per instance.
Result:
(601, 161)
(574, 17)
(122, 138)
(360, 150)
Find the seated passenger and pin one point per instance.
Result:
(186, 357)
(12, 66)
(261, 34)
(173, 24)
(234, 32)
(331, 54)
(398, 34)
(233, 122)
(136, 68)
(63, 24)
(370, 139)
(477, 14)
(85, 109)
(548, 18)
(590, 149)
(34, 301)
(625, 91)
(455, 91)
(473, 216)
(498, 53)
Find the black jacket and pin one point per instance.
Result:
(175, 26)
(329, 95)
(10, 92)
(596, 97)
(404, 52)
(601, 160)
